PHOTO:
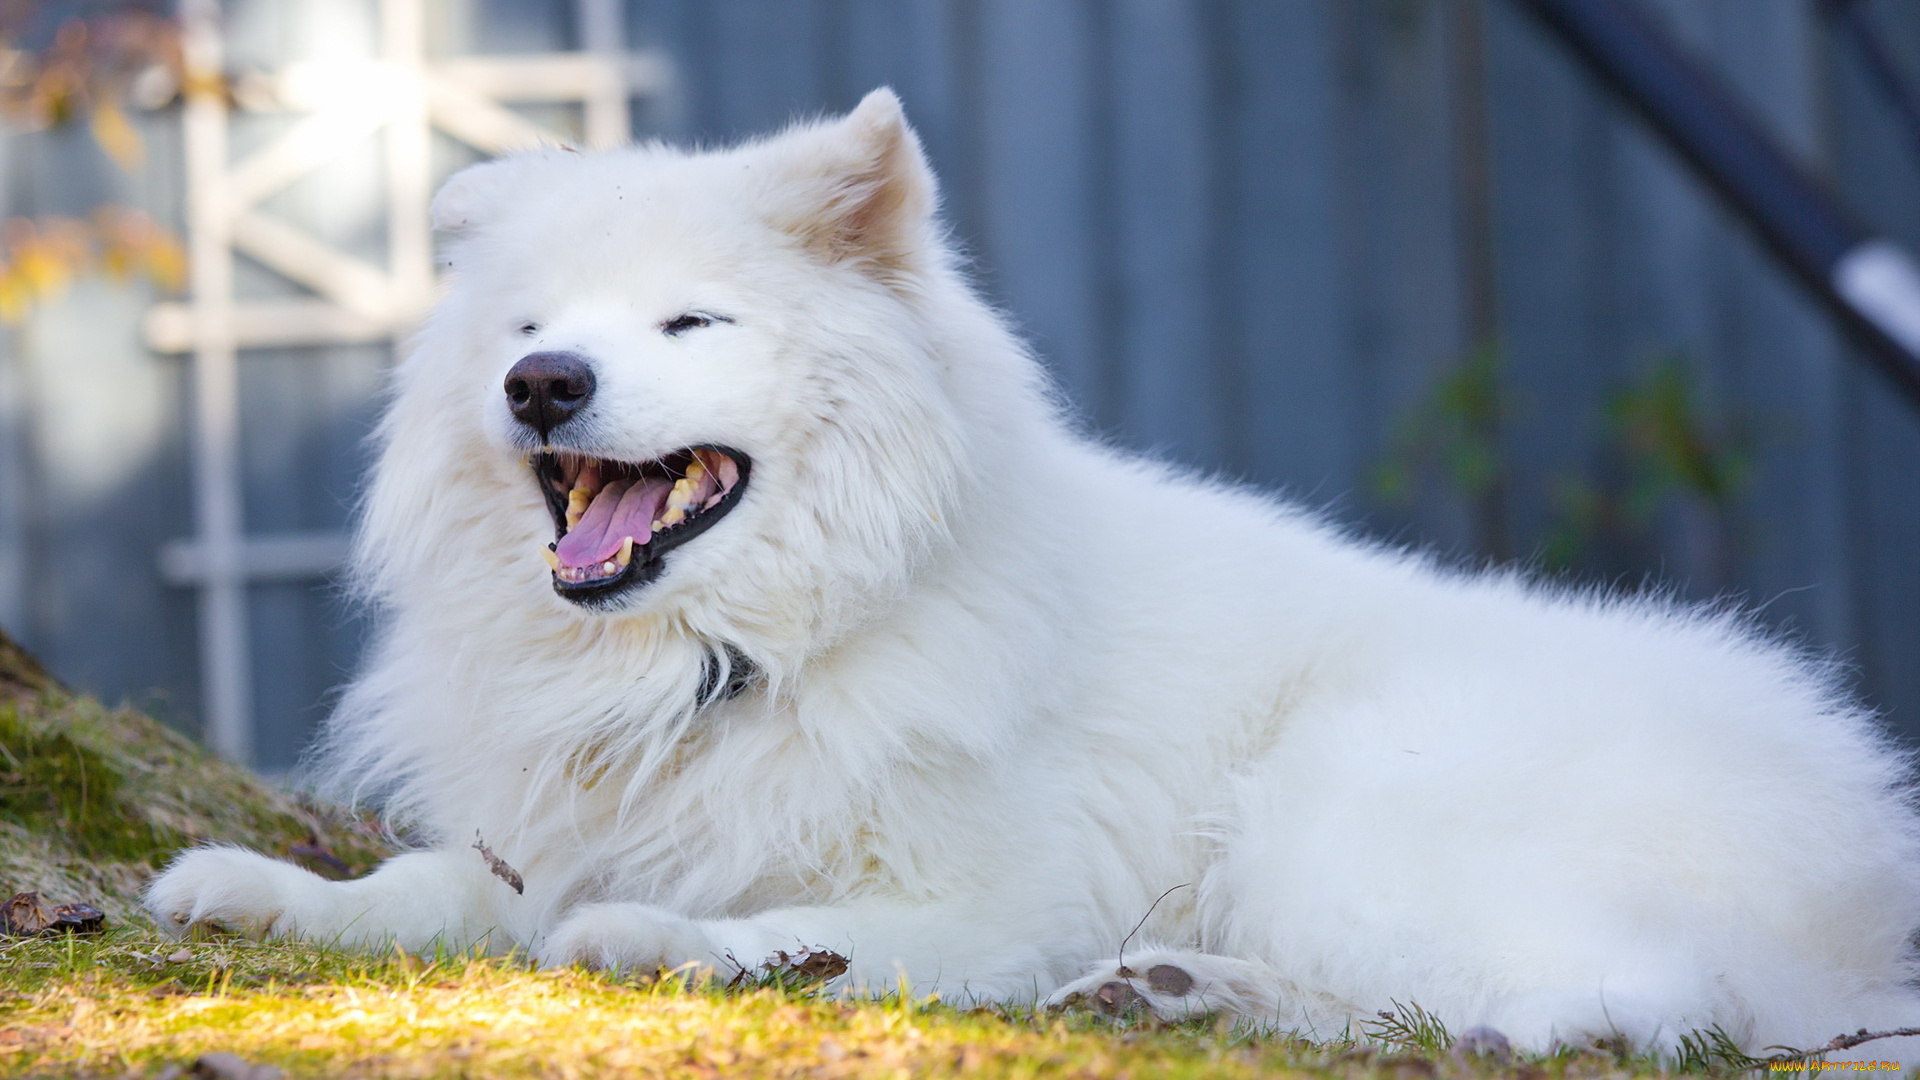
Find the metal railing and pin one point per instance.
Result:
(1868, 282)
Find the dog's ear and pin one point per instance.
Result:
(475, 194)
(858, 190)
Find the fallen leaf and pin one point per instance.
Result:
(78, 918)
(807, 965)
(27, 915)
(498, 865)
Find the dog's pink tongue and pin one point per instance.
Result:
(621, 510)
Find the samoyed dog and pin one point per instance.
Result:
(744, 589)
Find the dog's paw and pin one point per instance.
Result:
(627, 937)
(1161, 990)
(230, 889)
(1173, 985)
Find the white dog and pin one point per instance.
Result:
(745, 589)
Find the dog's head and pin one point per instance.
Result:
(663, 379)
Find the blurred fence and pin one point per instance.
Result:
(1398, 257)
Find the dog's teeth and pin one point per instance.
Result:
(552, 559)
(608, 567)
(679, 500)
(696, 470)
(626, 552)
(657, 526)
(681, 496)
(577, 502)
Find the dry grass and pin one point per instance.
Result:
(119, 1005)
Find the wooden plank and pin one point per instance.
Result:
(290, 625)
(553, 77)
(1292, 421)
(1875, 158)
(107, 481)
(17, 497)
(21, 507)
(1886, 488)
(1171, 394)
(483, 123)
(1561, 313)
(1783, 358)
(304, 409)
(300, 257)
(259, 324)
(226, 672)
(312, 142)
(911, 46)
(505, 27)
(927, 51)
(1039, 192)
(263, 557)
(1402, 269)
(767, 59)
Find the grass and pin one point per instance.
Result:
(132, 1003)
(93, 799)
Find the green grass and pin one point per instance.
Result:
(132, 1003)
(92, 801)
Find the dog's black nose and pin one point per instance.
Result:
(545, 389)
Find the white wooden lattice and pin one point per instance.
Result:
(400, 97)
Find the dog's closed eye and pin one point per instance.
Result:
(680, 324)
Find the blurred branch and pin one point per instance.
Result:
(1670, 451)
(41, 257)
(57, 72)
(1665, 451)
(1453, 434)
(88, 71)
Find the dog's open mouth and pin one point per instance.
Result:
(614, 521)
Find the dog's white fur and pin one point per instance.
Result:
(1013, 686)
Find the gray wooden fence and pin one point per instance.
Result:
(1249, 234)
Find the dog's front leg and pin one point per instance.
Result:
(955, 948)
(418, 900)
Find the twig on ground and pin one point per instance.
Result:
(1838, 1042)
(1120, 962)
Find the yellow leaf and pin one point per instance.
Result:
(16, 299)
(42, 269)
(117, 261)
(166, 261)
(116, 135)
